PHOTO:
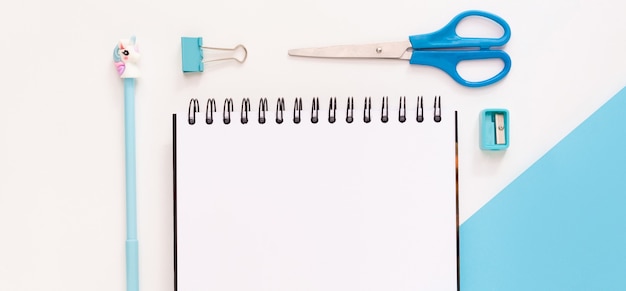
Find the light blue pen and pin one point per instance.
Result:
(126, 55)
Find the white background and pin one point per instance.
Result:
(61, 107)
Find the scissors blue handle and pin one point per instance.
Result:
(425, 48)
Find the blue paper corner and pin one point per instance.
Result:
(561, 225)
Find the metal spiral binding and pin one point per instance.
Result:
(384, 110)
(438, 109)
(263, 109)
(280, 108)
(350, 110)
(210, 109)
(194, 107)
(297, 110)
(420, 109)
(315, 108)
(332, 110)
(245, 107)
(367, 110)
(402, 110)
(228, 108)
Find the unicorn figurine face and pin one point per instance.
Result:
(125, 56)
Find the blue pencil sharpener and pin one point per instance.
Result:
(494, 129)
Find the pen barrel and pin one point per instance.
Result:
(132, 265)
(132, 245)
(131, 185)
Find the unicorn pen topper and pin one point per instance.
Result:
(125, 57)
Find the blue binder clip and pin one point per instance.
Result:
(193, 55)
(494, 129)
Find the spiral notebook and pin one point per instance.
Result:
(319, 194)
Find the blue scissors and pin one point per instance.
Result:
(443, 49)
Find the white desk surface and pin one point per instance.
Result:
(61, 107)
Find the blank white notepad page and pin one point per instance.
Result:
(320, 207)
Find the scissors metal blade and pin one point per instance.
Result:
(387, 50)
